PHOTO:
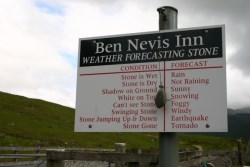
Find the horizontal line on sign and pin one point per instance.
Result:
(127, 72)
(120, 72)
(200, 68)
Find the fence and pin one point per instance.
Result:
(17, 153)
(114, 157)
(119, 155)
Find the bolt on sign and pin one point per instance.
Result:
(119, 76)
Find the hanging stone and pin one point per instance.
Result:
(161, 97)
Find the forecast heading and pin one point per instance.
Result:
(152, 47)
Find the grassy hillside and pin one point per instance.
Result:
(32, 122)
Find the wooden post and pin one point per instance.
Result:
(37, 152)
(16, 152)
(135, 164)
(51, 161)
(240, 152)
(120, 148)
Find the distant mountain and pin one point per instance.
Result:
(238, 124)
(243, 110)
(231, 111)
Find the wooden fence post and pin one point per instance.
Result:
(15, 152)
(240, 152)
(135, 164)
(37, 152)
(120, 148)
(51, 161)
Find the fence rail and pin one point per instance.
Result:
(36, 153)
(18, 156)
(52, 155)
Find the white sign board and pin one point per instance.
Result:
(119, 76)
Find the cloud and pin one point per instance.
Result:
(234, 14)
(241, 60)
(237, 86)
(30, 59)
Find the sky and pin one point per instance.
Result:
(39, 40)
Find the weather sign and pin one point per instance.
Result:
(119, 77)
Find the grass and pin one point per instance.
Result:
(33, 122)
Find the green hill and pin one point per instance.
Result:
(32, 122)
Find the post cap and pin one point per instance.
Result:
(163, 8)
